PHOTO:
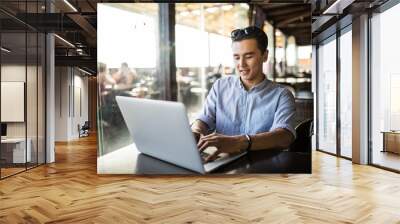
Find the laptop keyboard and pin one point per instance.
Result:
(205, 155)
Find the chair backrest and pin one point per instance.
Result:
(86, 125)
(304, 132)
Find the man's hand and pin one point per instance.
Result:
(197, 136)
(223, 143)
(199, 129)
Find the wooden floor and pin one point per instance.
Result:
(70, 191)
(387, 159)
(10, 171)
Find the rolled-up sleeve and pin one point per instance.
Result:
(207, 115)
(285, 113)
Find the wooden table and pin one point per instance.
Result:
(391, 141)
(128, 160)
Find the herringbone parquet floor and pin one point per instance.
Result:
(70, 191)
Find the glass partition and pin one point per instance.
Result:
(22, 87)
(32, 98)
(345, 93)
(41, 97)
(14, 153)
(327, 96)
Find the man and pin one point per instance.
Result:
(246, 112)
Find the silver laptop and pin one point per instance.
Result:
(161, 129)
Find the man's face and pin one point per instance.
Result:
(248, 58)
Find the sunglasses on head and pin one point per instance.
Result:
(244, 32)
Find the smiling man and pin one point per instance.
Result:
(246, 112)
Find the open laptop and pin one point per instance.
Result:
(161, 129)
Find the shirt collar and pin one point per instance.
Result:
(260, 85)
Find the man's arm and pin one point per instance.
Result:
(278, 138)
(283, 133)
(206, 119)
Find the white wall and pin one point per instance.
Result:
(61, 103)
(79, 117)
(69, 85)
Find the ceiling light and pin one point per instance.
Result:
(337, 7)
(64, 40)
(5, 50)
(79, 51)
(84, 71)
(70, 5)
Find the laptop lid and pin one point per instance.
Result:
(161, 129)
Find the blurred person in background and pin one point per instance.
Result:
(104, 78)
(125, 77)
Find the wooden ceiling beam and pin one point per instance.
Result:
(296, 25)
(289, 10)
(269, 6)
(300, 16)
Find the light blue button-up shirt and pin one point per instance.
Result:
(231, 110)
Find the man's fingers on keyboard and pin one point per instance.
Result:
(203, 145)
(213, 156)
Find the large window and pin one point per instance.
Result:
(345, 93)
(291, 56)
(268, 66)
(327, 96)
(280, 57)
(127, 38)
(385, 89)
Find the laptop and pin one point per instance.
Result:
(161, 129)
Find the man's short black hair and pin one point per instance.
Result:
(251, 32)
